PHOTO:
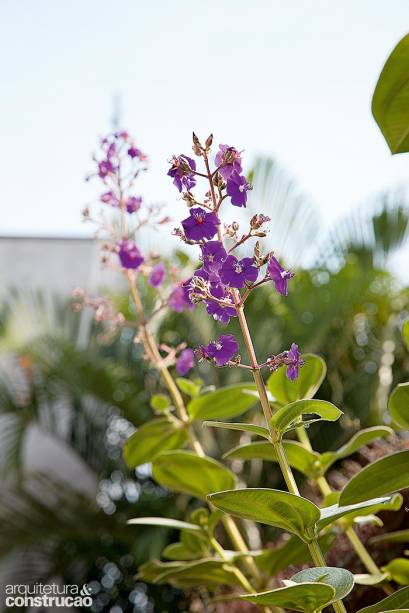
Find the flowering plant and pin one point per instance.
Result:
(171, 441)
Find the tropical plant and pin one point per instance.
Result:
(287, 402)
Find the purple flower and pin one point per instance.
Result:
(185, 361)
(182, 172)
(223, 349)
(134, 152)
(228, 160)
(179, 299)
(105, 168)
(200, 225)
(109, 198)
(129, 254)
(279, 275)
(220, 312)
(294, 362)
(237, 188)
(213, 255)
(157, 275)
(133, 204)
(291, 359)
(236, 273)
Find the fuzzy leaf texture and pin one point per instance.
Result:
(274, 507)
(386, 475)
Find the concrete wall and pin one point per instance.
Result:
(53, 265)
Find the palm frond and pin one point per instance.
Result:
(372, 232)
(295, 221)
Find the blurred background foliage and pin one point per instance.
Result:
(62, 376)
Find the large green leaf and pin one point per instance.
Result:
(305, 386)
(165, 522)
(398, 570)
(398, 405)
(364, 437)
(300, 458)
(208, 572)
(365, 507)
(285, 417)
(223, 403)
(153, 438)
(390, 102)
(340, 579)
(397, 599)
(183, 471)
(251, 428)
(274, 507)
(386, 475)
(308, 597)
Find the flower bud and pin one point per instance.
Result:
(209, 141)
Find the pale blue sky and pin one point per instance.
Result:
(289, 78)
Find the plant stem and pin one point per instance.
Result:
(153, 353)
(152, 350)
(352, 536)
(314, 547)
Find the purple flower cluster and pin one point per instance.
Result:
(200, 225)
(157, 275)
(218, 282)
(185, 361)
(179, 298)
(279, 275)
(129, 254)
(228, 162)
(291, 359)
(182, 172)
(236, 273)
(221, 351)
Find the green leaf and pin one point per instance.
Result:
(223, 403)
(164, 522)
(390, 102)
(308, 597)
(188, 387)
(305, 386)
(397, 599)
(398, 405)
(364, 437)
(160, 402)
(210, 572)
(285, 417)
(183, 471)
(177, 551)
(386, 475)
(330, 514)
(399, 536)
(252, 428)
(300, 458)
(405, 333)
(340, 579)
(153, 438)
(398, 570)
(274, 507)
